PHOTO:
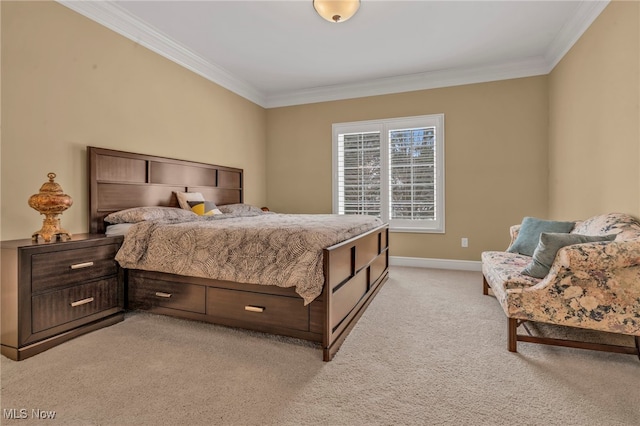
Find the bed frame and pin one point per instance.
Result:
(354, 270)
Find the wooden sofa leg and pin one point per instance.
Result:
(638, 345)
(512, 335)
(485, 286)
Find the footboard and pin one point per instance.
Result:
(354, 272)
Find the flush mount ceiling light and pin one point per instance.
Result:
(336, 10)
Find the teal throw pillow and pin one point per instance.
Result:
(548, 247)
(530, 230)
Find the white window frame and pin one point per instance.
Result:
(384, 126)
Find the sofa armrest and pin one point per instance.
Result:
(599, 256)
(514, 230)
(593, 286)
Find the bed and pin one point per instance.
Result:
(353, 270)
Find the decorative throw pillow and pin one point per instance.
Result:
(140, 214)
(204, 208)
(185, 197)
(530, 230)
(549, 245)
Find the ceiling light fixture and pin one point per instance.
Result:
(336, 10)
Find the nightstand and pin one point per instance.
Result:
(53, 292)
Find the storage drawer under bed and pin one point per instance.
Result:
(249, 307)
(147, 293)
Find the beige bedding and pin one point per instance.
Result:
(261, 248)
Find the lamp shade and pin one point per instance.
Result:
(336, 10)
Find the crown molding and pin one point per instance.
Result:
(586, 13)
(413, 82)
(122, 22)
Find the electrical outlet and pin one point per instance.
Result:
(465, 242)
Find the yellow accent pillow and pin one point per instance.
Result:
(185, 197)
(204, 208)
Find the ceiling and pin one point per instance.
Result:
(278, 53)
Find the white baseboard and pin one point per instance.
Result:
(421, 262)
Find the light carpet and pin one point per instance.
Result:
(430, 350)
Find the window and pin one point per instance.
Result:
(393, 169)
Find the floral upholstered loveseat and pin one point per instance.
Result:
(593, 285)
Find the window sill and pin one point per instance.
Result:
(416, 230)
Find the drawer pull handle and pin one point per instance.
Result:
(82, 265)
(161, 294)
(82, 302)
(254, 308)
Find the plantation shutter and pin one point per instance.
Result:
(412, 173)
(359, 182)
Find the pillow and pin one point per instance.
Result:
(204, 208)
(185, 197)
(239, 208)
(140, 214)
(118, 229)
(549, 245)
(529, 235)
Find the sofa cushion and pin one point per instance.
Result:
(505, 270)
(530, 230)
(549, 245)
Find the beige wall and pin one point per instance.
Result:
(594, 119)
(495, 154)
(68, 82)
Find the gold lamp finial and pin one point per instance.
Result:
(50, 201)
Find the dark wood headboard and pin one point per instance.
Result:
(120, 180)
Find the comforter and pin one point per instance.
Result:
(284, 250)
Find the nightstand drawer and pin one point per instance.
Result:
(276, 311)
(61, 268)
(59, 307)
